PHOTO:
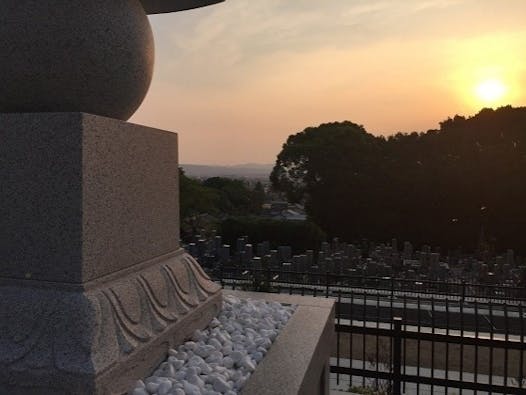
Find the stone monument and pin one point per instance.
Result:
(94, 286)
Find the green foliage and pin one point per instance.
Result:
(435, 187)
(235, 196)
(195, 198)
(203, 204)
(300, 235)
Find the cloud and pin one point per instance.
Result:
(253, 71)
(223, 46)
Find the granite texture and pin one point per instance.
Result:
(298, 361)
(93, 56)
(94, 287)
(57, 341)
(162, 6)
(84, 197)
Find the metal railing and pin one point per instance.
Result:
(441, 354)
(398, 339)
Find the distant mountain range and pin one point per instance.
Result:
(247, 170)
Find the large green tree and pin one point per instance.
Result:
(441, 186)
(327, 168)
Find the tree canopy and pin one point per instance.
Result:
(441, 186)
(215, 197)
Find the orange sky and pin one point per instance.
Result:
(236, 79)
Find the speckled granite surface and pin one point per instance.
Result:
(93, 56)
(84, 196)
(94, 287)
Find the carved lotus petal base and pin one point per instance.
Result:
(77, 341)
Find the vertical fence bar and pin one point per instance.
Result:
(476, 345)
(521, 353)
(404, 345)
(397, 356)
(364, 341)
(338, 317)
(351, 336)
(491, 336)
(447, 345)
(221, 273)
(327, 284)
(391, 317)
(507, 338)
(461, 370)
(268, 277)
(377, 338)
(432, 342)
(418, 343)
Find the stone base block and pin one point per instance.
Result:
(94, 287)
(84, 196)
(60, 341)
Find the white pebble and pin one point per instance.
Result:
(221, 385)
(164, 388)
(228, 362)
(190, 389)
(236, 356)
(215, 322)
(190, 346)
(215, 343)
(152, 387)
(220, 358)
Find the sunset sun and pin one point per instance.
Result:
(490, 91)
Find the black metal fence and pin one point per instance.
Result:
(401, 336)
(460, 289)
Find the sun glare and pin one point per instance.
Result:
(491, 91)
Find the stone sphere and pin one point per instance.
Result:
(162, 6)
(93, 56)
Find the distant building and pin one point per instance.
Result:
(282, 210)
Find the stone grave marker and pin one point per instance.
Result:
(94, 285)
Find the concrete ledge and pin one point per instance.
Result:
(298, 361)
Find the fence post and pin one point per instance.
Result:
(463, 290)
(221, 273)
(327, 279)
(268, 277)
(397, 355)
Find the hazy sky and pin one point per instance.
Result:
(236, 79)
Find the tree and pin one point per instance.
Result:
(236, 196)
(204, 203)
(327, 167)
(439, 187)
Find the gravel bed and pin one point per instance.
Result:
(221, 358)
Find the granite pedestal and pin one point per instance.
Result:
(94, 287)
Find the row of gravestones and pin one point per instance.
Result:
(347, 259)
(335, 257)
